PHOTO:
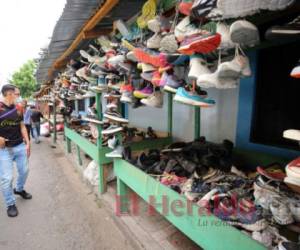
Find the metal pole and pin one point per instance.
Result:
(197, 121)
(170, 114)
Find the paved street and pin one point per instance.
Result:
(63, 214)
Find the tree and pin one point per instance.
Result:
(24, 78)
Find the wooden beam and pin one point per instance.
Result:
(96, 32)
(88, 27)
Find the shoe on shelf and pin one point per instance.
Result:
(203, 42)
(143, 93)
(114, 115)
(112, 129)
(12, 211)
(117, 153)
(295, 73)
(171, 83)
(23, 194)
(155, 100)
(126, 97)
(288, 245)
(288, 31)
(193, 99)
(92, 120)
(244, 33)
(281, 212)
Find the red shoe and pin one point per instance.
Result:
(200, 43)
(126, 88)
(158, 60)
(274, 174)
(185, 7)
(156, 78)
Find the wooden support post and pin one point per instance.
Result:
(170, 114)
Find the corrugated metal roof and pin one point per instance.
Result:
(76, 13)
(74, 16)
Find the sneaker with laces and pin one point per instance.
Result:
(112, 129)
(194, 99)
(244, 33)
(143, 93)
(281, 212)
(126, 97)
(114, 115)
(204, 42)
(155, 100)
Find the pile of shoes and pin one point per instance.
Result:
(203, 172)
(292, 178)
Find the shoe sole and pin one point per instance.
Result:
(140, 95)
(145, 102)
(92, 120)
(111, 131)
(296, 72)
(191, 102)
(249, 38)
(117, 119)
(205, 45)
(170, 89)
(126, 100)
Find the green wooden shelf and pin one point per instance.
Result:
(207, 231)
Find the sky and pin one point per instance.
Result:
(25, 27)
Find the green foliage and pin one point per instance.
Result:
(24, 78)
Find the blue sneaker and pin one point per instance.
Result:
(189, 98)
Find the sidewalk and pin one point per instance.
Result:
(63, 213)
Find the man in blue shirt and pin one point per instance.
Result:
(27, 117)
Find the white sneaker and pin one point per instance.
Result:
(117, 153)
(185, 28)
(213, 81)
(112, 143)
(281, 212)
(126, 97)
(115, 60)
(169, 44)
(197, 67)
(244, 33)
(295, 209)
(112, 129)
(154, 25)
(292, 134)
(235, 68)
(155, 100)
(223, 30)
(154, 41)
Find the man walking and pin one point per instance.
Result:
(13, 134)
(36, 116)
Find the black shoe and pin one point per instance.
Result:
(23, 194)
(284, 32)
(12, 211)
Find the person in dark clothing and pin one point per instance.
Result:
(36, 116)
(13, 134)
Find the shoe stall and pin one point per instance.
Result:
(162, 54)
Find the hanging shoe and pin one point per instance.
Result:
(185, 7)
(154, 24)
(190, 98)
(197, 67)
(155, 100)
(171, 83)
(296, 71)
(201, 8)
(204, 42)
(143, 93)
(244, 33)
(224, 30)
(213, 81)
(154, 41)
(126, 97)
